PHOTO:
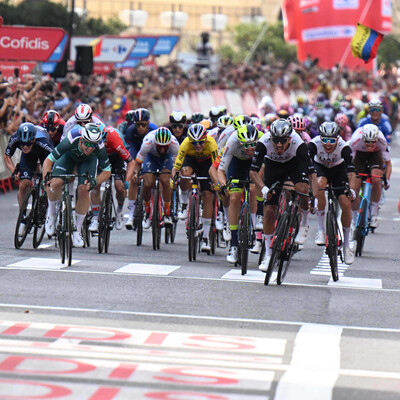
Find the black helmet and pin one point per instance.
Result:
(129, 116)
(215, 113)
(281, 128)
(26, 132)
(177, 117)
(141, 114)
(197, 117)
(329, 129)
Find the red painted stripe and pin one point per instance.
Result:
(156, 338)
(105, 393)
(15, 329)
(123, 371)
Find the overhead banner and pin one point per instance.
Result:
(7, 68)
(143, 47)
(165, 45)
(32, 43)
(324, 28)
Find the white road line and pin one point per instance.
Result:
(148, 269)
(41, 263)
(251, 276)
(357, 283)
(315, 364)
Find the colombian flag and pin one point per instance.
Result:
(365, 43)
(96, 45)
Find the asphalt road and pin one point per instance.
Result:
(142, 324)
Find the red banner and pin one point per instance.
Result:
(7, 68)
(29, 43)
(102, 68)
(324, 28)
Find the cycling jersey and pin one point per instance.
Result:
(42, 144)
(357, 144)
(224, 136)
(186, 149)
(383, 125)
(72, 121)
(115, 144)
(149, 147)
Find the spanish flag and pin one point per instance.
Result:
(96, 45)
(365, 43)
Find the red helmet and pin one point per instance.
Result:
(297, 122)
(51, 119)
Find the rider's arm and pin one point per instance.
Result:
(9, 163)
(47, 166)
(388, 169)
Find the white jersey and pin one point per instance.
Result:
(233, 148)
(328, 160)
(290, 153)
(224, 136)
(149, 147)
(72, 121)
(214, 133)
(357, 144)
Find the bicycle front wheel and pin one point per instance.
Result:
(40, 219)
(361, 228)
(332, 243)
(244, 237)
(104, 233)
(138, 218)
(155, 220)
(25, 217)
(192, 229)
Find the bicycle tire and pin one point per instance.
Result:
(103, 221)
(174, 212)
(60, 233)
(361, 229)
(68, 229)
(192, 228)
(40, 220)
(109, 222)
(277, 243)
(138, 217)
(28, 204)
(85, 228)
(332, 243)
(244, 237)
(289, 248)
(155, 219)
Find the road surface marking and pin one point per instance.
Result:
(41, 263)
(356, 283)
(148, 269)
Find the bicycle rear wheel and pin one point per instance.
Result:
(25, 217)
(244, 237)
(332, 245)
(192, 229)
(174, 213)
(155, 220)
(277, 244)
(361, 228)
(104, 223)
(40, 220)
(138, 217)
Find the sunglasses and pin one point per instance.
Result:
(280, 140)
(249, 145)
(177, 126)
(198, 142)
(51, 128)
(375, 109)
(141, 124)
(26, 144)
(83, 123)
(369, 141)
(88, 144)
(327, 140)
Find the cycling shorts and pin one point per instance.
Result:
(363, 159)
(335, 175)
(151, 163)
(200, 168)
(66, 165)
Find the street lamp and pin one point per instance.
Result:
(135, 18)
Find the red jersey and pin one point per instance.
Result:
(115, 144)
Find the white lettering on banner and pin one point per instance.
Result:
(328, 32)
(308, 3)
(24, 43)
(345, 4)
(386, 8)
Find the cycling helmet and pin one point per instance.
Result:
(163, 136)
(375, 103)
(83, 112)
(177, 117)
(197, 117)
(141, 115)
(223, 109)
(281, 128)
(329, 129)
(129, 116)
(91, 133)
(51, 119)
(224, 121)
(197, 132)
(206, 123)
(270, 118)
(336, 105)
(283, 113)
(255, 121)
(103, 130)
(215, 113)
(247, 133)
(370, 133)
(26, 132)
(341, 119)
(297, 122)
(241, 120)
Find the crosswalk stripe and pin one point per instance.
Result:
(41, 263)
(148, 269)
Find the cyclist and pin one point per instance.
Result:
(134, 138)
(124, 125)
(236, 124)
(54, 125)
(196, 118)
(121, 163)
(377, 118)
(83, 115)
(343, 123)
(369, 148)
(286, 158)
(34, 147)
(299, 126)
(333, 163)
(81, 149)
(214, 114)
(158, 151)
(235, 163)
(196, 154)
(177, 125)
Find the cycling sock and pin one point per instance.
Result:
(234, 234)
(95, 209)
(304, 217)
(71, 187)
(53, 206)
(346, 237)
(206, 226)
(226, 214)
(79, 221)
(321, 220)
(268, 241)
(253, 219)
(374, 208)
(131, 207)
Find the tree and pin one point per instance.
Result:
(389, 50)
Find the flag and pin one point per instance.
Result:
(96, 45)
(365, 43)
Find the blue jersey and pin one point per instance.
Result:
(132, 136)
(383, 125)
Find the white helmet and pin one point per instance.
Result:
(370, 133)
(83, 112)
(91, 133)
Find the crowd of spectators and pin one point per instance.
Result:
(27, 98)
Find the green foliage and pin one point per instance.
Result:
(389, 50)
(47, 13)
(271, 47)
